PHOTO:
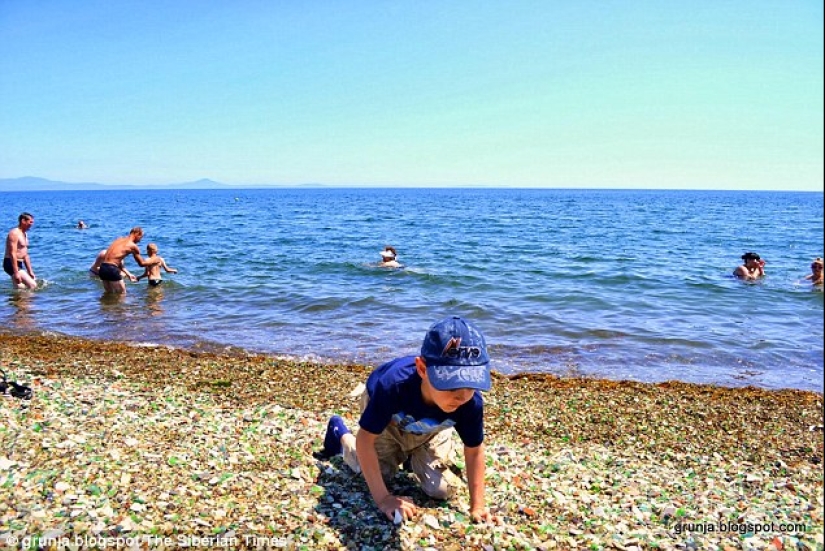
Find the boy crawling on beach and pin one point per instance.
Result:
(407, 409)
(153, 264)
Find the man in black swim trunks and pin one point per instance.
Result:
(16, 257)
(112, 269)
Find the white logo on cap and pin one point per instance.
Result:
(471, 374)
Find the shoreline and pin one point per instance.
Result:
(587, 461)
(570, 371)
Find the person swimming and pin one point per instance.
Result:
(389, 258)
(94, 269)
(816, 275)
(753, 267)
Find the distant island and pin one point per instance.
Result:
(32, 183)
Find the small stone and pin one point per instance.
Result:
(431, 521)
(61, 486)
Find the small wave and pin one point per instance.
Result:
(145, 344)
(44, 283)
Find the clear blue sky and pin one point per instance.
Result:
(627, 94)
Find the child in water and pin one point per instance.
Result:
(389, 258)
(815, 277)
(153, 265)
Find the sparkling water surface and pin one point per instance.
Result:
(603, 283)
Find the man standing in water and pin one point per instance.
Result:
(17, 254)
(112, 270)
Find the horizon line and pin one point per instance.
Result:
(208, 183)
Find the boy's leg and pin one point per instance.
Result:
(431, 463)
(388, 445)
(348, 450)
(389, 452)
(333, 439)
(339, 440)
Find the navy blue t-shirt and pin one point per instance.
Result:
(394, 389)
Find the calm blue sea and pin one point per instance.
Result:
(603, 283)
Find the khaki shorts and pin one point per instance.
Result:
(430, 456)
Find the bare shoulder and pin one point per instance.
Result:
(119, 243)
(119, 248)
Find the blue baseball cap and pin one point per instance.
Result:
(456, 355)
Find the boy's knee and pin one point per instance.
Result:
(437, 480)
(437, 486)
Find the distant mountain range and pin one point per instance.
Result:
(31, 183)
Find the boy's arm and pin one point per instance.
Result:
(475, 459)
(371, 469)
(147, 266)
(167, 268)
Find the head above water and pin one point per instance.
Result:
(136, 233)
(388, 253)
(151, 248)
(816, 265)
(751, 256)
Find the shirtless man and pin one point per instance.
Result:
(17, 254)
(753, 268)
(94, 269)
(111, 268)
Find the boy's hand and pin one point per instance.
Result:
(404, 505)
(484, 515)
